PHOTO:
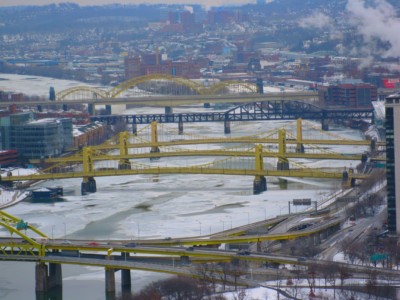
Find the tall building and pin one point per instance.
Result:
(392, 127)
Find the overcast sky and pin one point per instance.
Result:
(100, 2)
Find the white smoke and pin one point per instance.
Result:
(377, 21)
(317, 20)
(188, 8)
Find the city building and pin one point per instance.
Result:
(393, 161)
(348, 94)
(89, 134)
(35, 138)
(148, 64)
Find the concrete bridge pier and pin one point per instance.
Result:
(154, 150)
(259, 185)
(282, 165)
(126, 279)
(347, 179)
(134, 128)
(110, 280)
(180, 124)
(88, 185)
(325, 124)
(41, 277)
(108, 110)
(125, 275)
(180, 128)
(91, 109)
(227, 126)
(300, 148)
(55, 275)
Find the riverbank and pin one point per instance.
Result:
(9, 196)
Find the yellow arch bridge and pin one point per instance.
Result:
(165, 91)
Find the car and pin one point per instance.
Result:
(301, 259)
(65, 242)
(93, 244)
(243, 252)
(190, 248)
(168, 238)
(130, 245)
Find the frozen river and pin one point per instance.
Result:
(128, 207)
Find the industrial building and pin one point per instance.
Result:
(392, 126)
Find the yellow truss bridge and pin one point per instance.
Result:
(167, 90)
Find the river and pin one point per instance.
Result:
(155, 206)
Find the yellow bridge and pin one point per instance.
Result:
(167, 91)
(242, 162)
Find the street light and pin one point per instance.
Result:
(200, 226)
(138, 229)
(248, 217)
(223, 225)
(52, 232)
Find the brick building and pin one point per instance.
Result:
(348, 95)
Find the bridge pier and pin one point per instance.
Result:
(134, 128)
(180, 127)
(91, 109)
(282, 165)
(300, 148)
(259, 185)
(227, 126)
(347, 179)
(299, 137)
(41, 277)
(125, 275)
(126, 279)
(55, 275)
(88, 185)
(154, 149)
(324, 124)
(108, 110)
(110, 280)
(180, 124)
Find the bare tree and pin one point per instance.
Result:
(343, 274)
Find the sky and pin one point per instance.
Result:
(100, 2)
